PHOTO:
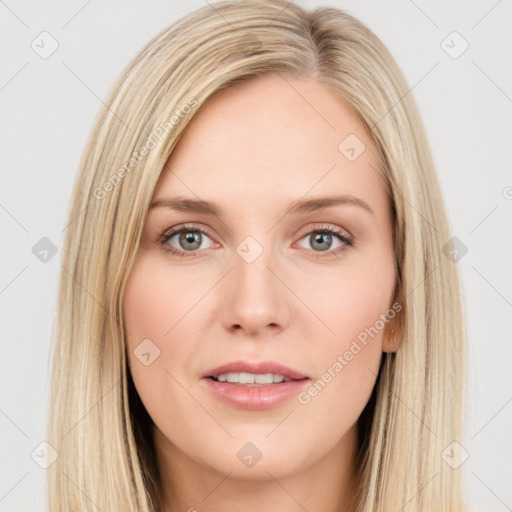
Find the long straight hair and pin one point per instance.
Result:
(97, 423)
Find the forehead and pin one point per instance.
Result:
(272, 136)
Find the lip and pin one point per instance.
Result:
(256, 368)
(255, 397)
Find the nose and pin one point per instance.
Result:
(256, 296)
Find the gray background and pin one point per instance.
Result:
(48, 109)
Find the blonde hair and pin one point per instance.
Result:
(97, 422)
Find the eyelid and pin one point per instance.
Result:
(322, 226)
(345, 236)
(190, 226)
(305, 231)
(169, 233)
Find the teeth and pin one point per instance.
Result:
(251, 378)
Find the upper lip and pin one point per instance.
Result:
(256, 368)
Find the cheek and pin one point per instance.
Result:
(351, 301)
(355, 308)
(151, 308)
(152, 314)
(151, 304)
(347, 366)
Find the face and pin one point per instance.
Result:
(263, 280)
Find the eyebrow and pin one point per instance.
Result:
(305, 206)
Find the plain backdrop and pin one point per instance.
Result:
(49, 103)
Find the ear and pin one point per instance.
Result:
(392, 335)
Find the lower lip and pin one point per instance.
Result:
(253, 397)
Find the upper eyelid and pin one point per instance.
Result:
(318, 228)
(186, 227)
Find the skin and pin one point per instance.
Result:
(214, 307)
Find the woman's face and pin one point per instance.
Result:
(309, 288)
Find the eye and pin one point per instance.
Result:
(321, 240)
(189, 239)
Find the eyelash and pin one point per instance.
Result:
(163, 238)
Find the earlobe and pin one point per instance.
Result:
(392, 340)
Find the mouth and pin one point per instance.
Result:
(254, 386)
